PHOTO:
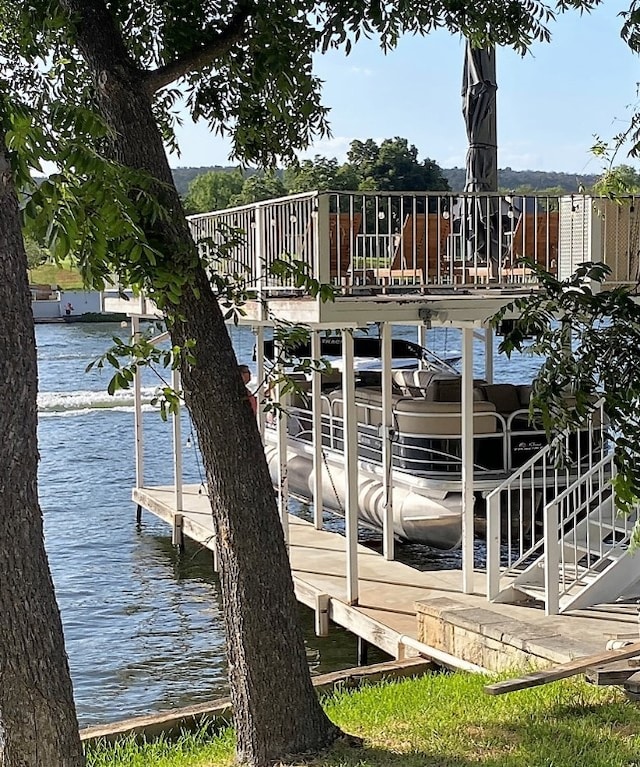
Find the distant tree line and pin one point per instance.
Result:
(391, 165)
(529, 181)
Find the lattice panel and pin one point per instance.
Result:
(596, 229)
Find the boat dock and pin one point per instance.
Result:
(404, 611)
(560, 581)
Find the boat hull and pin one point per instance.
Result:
(418, 515)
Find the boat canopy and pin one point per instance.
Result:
(365, 347)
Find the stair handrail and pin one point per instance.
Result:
(536, 472)
(561, 547)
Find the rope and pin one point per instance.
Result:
(333, 485)
(192, 439)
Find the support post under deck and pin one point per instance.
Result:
(422, 340)
(350, 438)
(488, 353)
(137, 411)
(259, 332)
(467, 461)
(177, 444)
(283, 479)
(316, 413)
(387, 444)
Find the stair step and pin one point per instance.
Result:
(598, 549)
(537, 591)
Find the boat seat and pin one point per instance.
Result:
(405, 382)
(332, 377)
(415, 415)
(368, 405)
(448, 388)
(441, 418)
(422, 379)
(504, 396)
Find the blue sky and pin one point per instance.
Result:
(550, 103)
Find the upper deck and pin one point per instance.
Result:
(404, 256)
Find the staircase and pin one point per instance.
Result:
(577, 553)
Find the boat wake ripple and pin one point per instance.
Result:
(68, 403)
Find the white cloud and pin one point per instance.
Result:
(335, 146)
(364, 71)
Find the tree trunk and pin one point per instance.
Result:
(276, 710)
(38, 726)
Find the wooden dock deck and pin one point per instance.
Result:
(400, 606)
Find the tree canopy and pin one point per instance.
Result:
(588, 339)
(247, 70)
(394, 166)
(260, 186)
(213, 190)
(391, 166)
(618, 180)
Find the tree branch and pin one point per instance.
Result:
(219, 43)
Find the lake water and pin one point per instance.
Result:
(143, 625)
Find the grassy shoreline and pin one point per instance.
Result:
(66, 277)
(439, 720)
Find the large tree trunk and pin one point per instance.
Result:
(275, 707)
(38, 726)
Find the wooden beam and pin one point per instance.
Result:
(562, 671)
(172, 722)
(612, 673)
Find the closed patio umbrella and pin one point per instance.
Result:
(479, 110)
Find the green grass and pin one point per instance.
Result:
(442, 721)
(67, 277)
(197, 749)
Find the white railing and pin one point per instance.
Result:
(244, 242)
(416, 239)
(582, 530)
(516, 509)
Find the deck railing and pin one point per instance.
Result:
(392, 240)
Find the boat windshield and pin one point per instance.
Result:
(368, 353)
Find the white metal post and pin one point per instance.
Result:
(137, 411)
(350, 438)
(260, 394)
(259, 268)
(316, 411)
(283, 479)
(322, 270)
(467, 461)
(493, 546)
(551, 559)
(488, 354)
(387, 444)
(422, 339)
(177, 444)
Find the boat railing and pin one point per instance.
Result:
(423, 451)
(515, 508)
(409, 240)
